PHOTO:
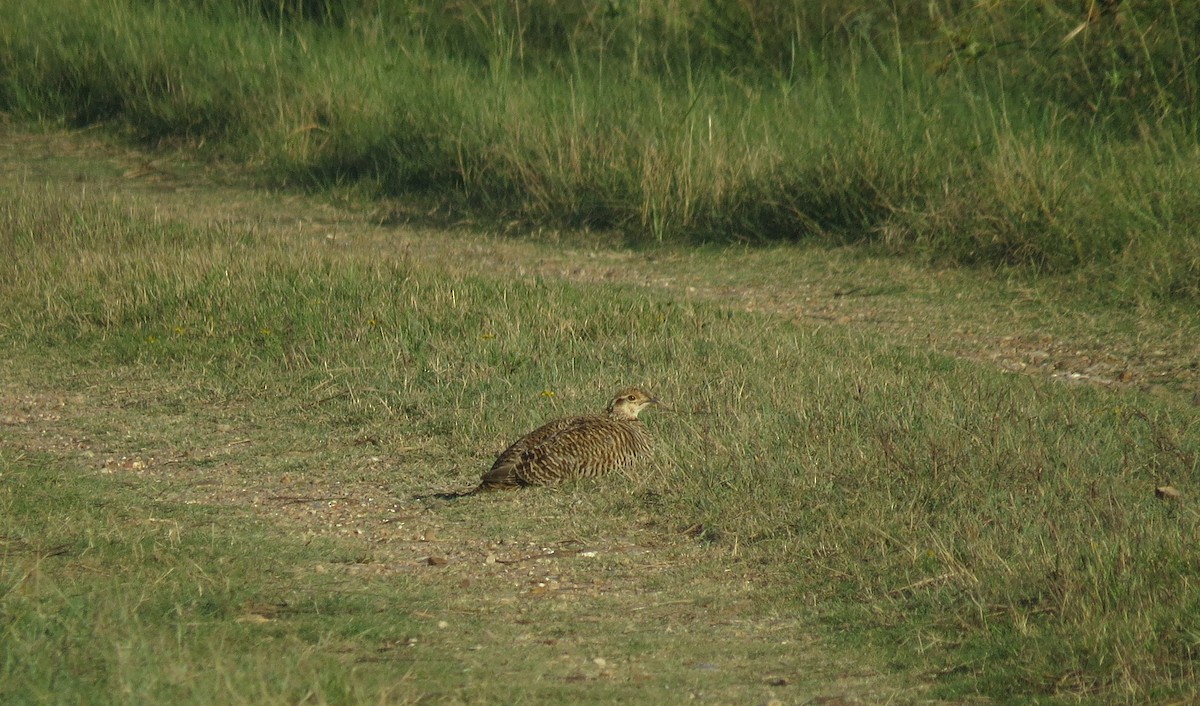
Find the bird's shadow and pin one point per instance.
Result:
(449, 495)
(455, 495)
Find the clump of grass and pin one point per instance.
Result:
(158, 71)
(1034, 204)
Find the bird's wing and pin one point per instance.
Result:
(505, 470)
(568, 450)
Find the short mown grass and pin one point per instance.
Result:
(999, 535)
(1040, 136)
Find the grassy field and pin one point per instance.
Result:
(210, 455)
(1041, 136)
(919, 285)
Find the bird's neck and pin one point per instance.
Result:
(622, 417)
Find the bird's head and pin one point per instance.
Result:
(629, 402)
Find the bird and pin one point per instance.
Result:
(576, 447)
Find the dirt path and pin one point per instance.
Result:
(619, 606)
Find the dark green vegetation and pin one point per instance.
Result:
(1052, 135)
(994, 534)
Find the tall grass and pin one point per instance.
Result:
(934, 129)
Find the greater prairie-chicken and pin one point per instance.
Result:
(576, 447)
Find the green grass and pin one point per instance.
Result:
(979, 137)
(111, 595)
(993, 534)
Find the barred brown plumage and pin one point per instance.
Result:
(576, 447)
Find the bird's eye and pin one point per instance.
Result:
(631, 398)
